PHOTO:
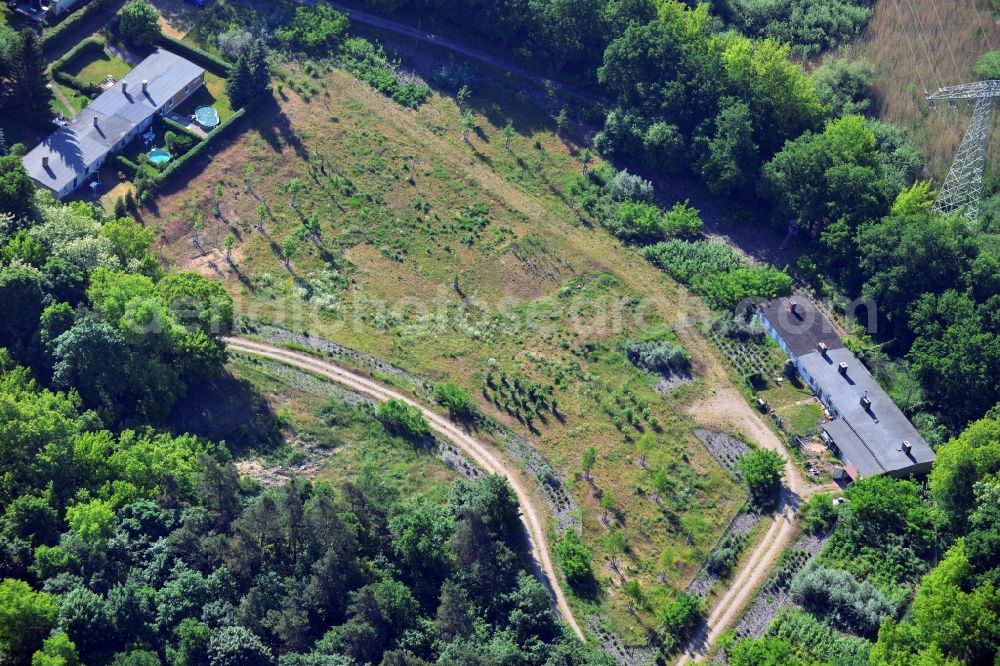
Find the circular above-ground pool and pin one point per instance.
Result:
(158, 156)
(206, 116)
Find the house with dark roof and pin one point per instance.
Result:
(72, 153)
(869, 432)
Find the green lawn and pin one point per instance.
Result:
(94, 67)
(76, 100)
(213, 93)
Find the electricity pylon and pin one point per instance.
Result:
(963, 188)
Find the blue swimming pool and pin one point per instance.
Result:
(158, 156)
(206, 116)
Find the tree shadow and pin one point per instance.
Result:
(279, 132)
(227, 409)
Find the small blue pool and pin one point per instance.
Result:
(158, 156)
(206, 116)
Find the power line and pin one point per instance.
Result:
(913, 52)
(986, 33)
(947, 42)
(925, 43)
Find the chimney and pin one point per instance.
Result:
(144, 84)
(792, 305)
(822, 348)
(95, 121)
(125, 87)
(907, 447)
(45, 161)
(866, 403)
(842, 368)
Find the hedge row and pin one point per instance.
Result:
(214, 136)
(176, 127)
(212, 63)
(125, 164)
(71, 21)
(85, 46)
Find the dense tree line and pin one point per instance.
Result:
(86, 305)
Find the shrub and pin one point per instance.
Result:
(403, 419)
(89, 45)
(625, 186)
(456, 399)
(680, 618)
(574, 558)
(818, 513)
(369, 63)
(844, 86)
(638, 221)
(58, 33)
(233, 43)
(726, 290)
(682, 220)
(314, 29)
(691, 262)
(659, 356)
(810, 26)
(762, 470)
(988, 65)
(139, 23)
(846, 603)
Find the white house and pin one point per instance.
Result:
(64, 160)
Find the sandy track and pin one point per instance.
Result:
(472, 447)
(728, 410)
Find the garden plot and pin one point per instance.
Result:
(748, 358)
(776, 594)
(624, 654)
(726, 449)
(719, 563)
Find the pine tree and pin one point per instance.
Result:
(28, 90)
(249, 77)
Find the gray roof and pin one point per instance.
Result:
(880, 431)
(803, 329)
(853, 450)
(75, 147)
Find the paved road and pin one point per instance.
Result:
(476, 450)
(779, 535)
(406, 30)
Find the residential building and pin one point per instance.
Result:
(75, 151)
(868, 430)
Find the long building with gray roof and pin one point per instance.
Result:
(64, 160)
(868, 430)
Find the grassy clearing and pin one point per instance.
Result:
(457, 261)
(213, 93)
(95, 66)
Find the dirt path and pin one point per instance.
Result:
(469, 51)
(57, 91)
(476, 450)
(727, 410)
